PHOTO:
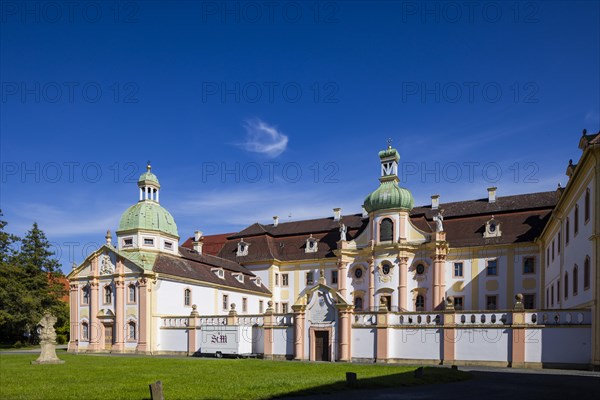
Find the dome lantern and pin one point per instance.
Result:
(389, 195)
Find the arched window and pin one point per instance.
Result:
(575, 280)
(587, 205)
(107, 294)
(386, 230)
(85, 331)
(576, 218)
(586, 273)
(420, 303)
(187, 297)
(358, 303)
(131, 334)
(566, 285)
(131, 295)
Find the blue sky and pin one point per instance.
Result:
(248, 110)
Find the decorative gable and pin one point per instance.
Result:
(492, 229)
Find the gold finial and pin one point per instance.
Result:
(389, 143)
(148, 166)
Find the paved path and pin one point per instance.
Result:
(493, 384)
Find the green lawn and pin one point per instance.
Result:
(104, 377)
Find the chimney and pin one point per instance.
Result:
(275, 221)
(492, 194)
(435, 201)
(337, 214)
(198, 241)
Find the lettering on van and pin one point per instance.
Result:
(217, 338)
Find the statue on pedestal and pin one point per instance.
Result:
(47, 336)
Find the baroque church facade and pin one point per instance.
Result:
(394, 257)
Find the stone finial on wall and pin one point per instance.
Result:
(519, 302)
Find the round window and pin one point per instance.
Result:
(420, 269)
(492, 227)
(385, 268)
(358, 272)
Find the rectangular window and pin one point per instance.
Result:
(458, 270)
(529, 301)
(244, 304)
(529, 265)
(547, 297)
(309, 278)
(148, 242)
(558, 242)
(276, 279)
(459, 302)
(85, 295)
(285, 279)
(548, 256)
(187, 297)
(557, 293)
(552, 296)
(586, 211)
(168, 245)
(334, 277)
(284, 308)
(127, 242)
(553, 251)
(261, 306)
(492, 267)
(225, 302)
(131, 289)
(576, 222)
(491, 302)
(276, 308)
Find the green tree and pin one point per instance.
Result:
(30, 285)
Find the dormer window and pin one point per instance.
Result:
(219, 272)
(239, 277)
(492, 229)
(257, 281)
(128, 242)
(242, 248)
(311, 245)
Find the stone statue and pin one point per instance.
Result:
(47, 336)
(439, 219)
(343, 231)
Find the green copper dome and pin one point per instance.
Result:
(389, 195)
(148, 215)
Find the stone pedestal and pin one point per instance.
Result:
(48, 341)
(48, 355)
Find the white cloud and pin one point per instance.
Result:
(264, 138)
(592, 117)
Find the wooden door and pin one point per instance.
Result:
(108, 337)
(321, 346)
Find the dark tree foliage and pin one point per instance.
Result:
(30, 284)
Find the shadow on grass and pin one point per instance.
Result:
(431, 375)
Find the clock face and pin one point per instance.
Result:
(420, 269)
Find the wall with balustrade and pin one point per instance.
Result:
(524, 338)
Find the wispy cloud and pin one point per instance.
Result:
(264, 138)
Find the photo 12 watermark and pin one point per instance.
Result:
(69, 92)
(270, 12)
(269, 92)
(69, 171)
(69, 12)
(269, 171)
(471, 12)
(469, 92)
(467, 171)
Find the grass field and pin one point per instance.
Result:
(105, 377)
